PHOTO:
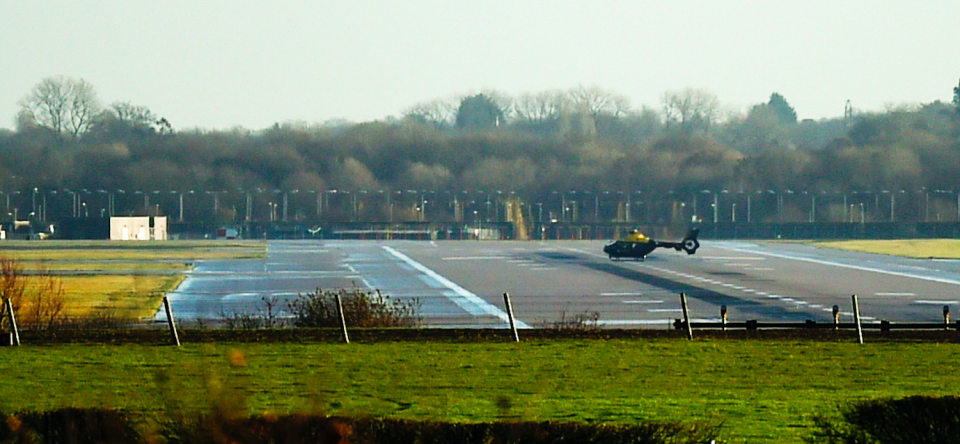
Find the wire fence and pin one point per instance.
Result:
(661, 310)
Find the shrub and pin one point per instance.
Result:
(268, 317)
(39, 306)
(71, 425)
(398, 431)
(360, 309)
(585, 320)
(915, 419)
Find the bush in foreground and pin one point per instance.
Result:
(360, 309)
(915, 419)
(106, 426)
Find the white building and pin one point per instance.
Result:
(138, 228)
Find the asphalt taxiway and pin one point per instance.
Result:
(461, 283)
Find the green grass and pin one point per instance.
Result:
(762, 391)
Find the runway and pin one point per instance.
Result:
(461, 283)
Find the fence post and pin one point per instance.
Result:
(513, 321)
(686, 315)
(13, 322)
(170, 323)
(343, 319)
(856, 319)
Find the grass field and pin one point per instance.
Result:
(761, 391)
(120, 279)
(916, 248)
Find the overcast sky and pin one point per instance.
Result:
(219, 64)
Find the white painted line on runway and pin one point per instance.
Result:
(927, 302)
(852, 267)
(642, 302)
(733, 258)
(895, 294)
(715, 282)
(468, 301)
(664, 310)
(473, 258)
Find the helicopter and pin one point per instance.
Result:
(637, 246)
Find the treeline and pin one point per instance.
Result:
(583, 139)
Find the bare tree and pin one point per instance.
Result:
(132, 114)
(64, 105)
(540, 107)
(596, 101)
(694, 110)
(13, 285)
(438, 112)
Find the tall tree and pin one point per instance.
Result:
(479, 112)
(956, 97)
(64, 105)
(782, 109)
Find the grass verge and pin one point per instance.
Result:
(761, 391)
(120, 279)
(915, 248)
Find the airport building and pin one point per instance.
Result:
(138, 228)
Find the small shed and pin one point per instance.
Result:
(138, 228)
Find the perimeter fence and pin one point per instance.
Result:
(344, 311)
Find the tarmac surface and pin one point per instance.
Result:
(462, 283)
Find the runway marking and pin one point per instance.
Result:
(664, 310)
(927, 302)
(468, 301)
(643, 302)
(852, 267)
(895, 294)
(733, 258)
(787, 300)
(473, 258)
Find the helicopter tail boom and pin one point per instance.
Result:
(689, 244)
